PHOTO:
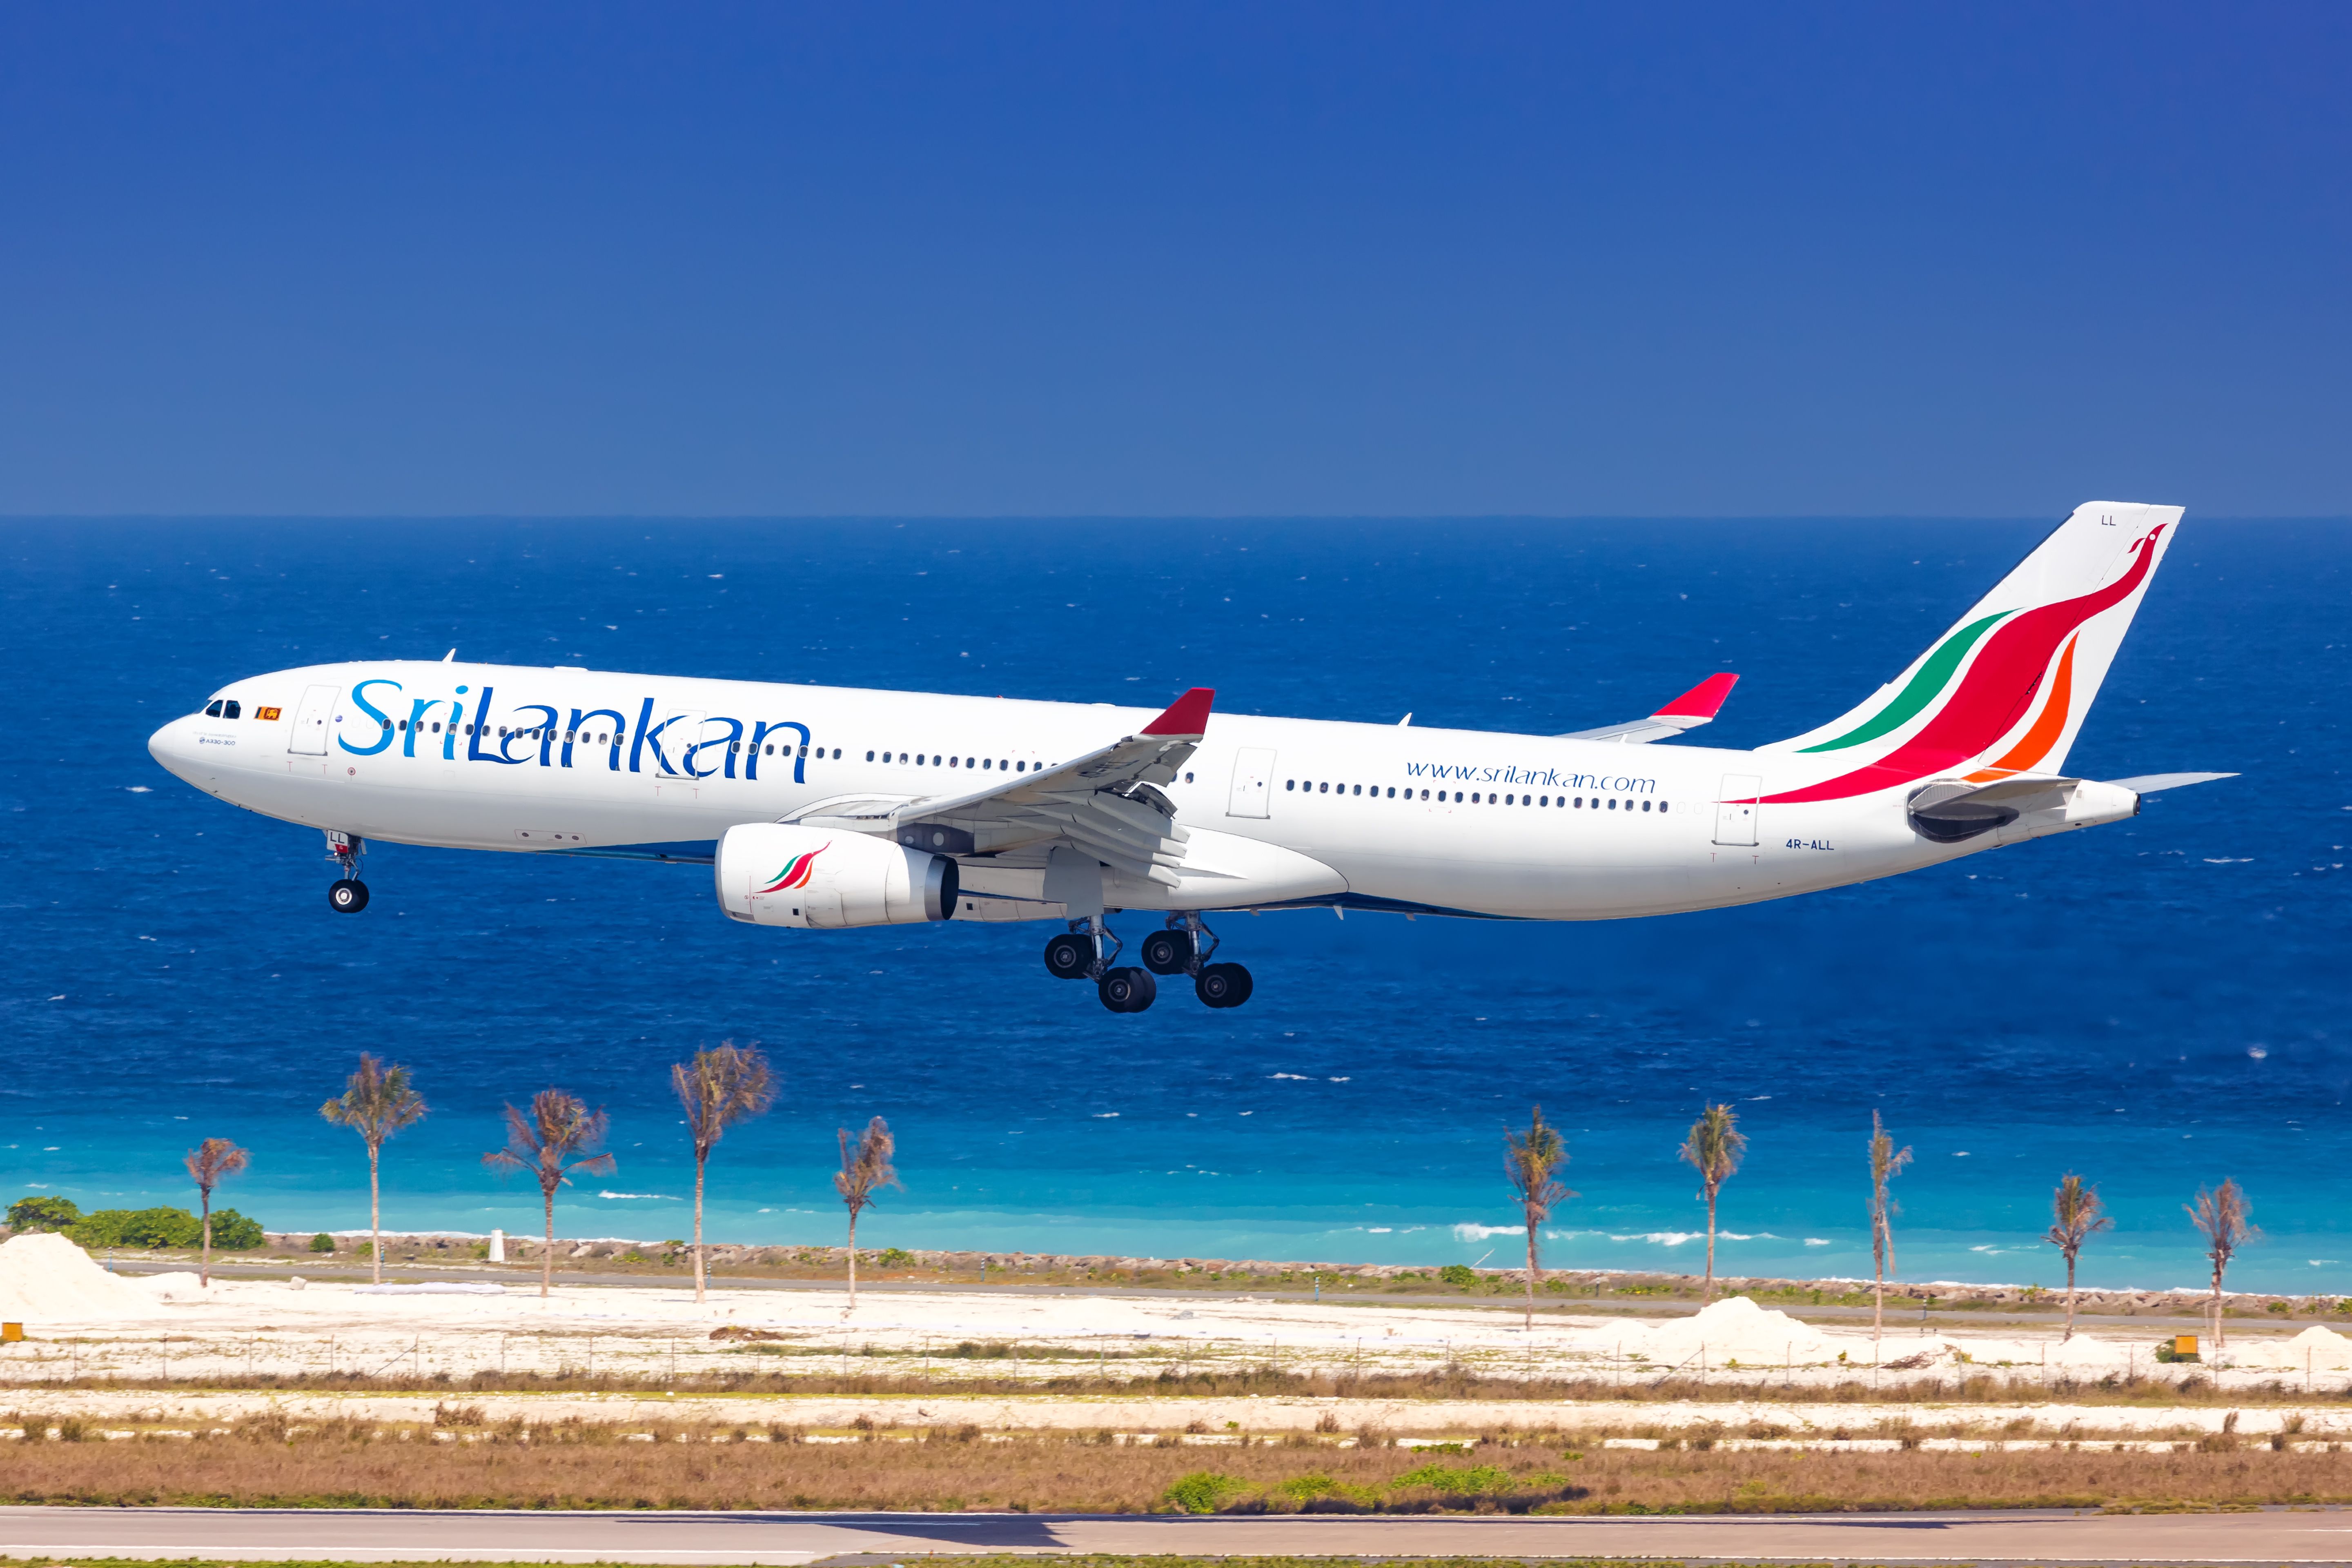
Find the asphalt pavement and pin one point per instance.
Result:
(2040, 1537)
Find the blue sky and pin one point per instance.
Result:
(1126, 260)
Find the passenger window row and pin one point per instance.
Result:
(1573, 803)
(934, 760)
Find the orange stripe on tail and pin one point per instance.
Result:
(2036, 743)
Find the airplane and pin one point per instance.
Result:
(827, 808)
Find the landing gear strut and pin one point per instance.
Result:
(1089, 951)
(348, 895)
(1086, 951)
(1185, 948)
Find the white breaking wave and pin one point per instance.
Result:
(1467, 1232)
(1299, 1076)
(659, 1197)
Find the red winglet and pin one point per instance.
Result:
(1704, 700)
(1188, 715)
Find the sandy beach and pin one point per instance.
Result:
(164, 1329)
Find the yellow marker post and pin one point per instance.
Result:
(12, 1333)
(2184, 1344)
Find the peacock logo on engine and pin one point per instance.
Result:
(796, 871)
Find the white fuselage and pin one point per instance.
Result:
(1280, 811)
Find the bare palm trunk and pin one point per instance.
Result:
(205, 1278)
(1531, 1279)
(700, 1159)
(1878, 1301)
(547, 1251)
(2070, 1301)
(1708, 1293)
(2218, 1341)
(375, 1216)
(853, 1260)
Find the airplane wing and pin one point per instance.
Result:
(1106, 802)
(1697, 706)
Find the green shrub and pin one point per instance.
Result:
(1458, 1274)
(1458, 1480)
(39, 1212)
(322, 1242)
(137, 1228)
(896, 1257)
(232, 1232)
(1203, 1491)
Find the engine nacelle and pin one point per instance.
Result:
(776, 874)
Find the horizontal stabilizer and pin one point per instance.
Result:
(2148, 784)
(1950, 812)
(1697, 706)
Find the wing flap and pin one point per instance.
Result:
(1104, 803)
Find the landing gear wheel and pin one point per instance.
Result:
(1067, 956)
(1127, 990)
(1222, 986)
(1168, 952)
(348, 896)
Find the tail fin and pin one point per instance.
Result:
(2006, 689)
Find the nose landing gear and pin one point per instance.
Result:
(348, 895)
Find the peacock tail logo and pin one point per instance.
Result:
(1970, 704)
(795, 873)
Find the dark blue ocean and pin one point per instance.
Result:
(2155, 1004)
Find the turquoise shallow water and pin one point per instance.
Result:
(2155, 1004)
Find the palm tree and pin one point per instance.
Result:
(1528, 1159)
(1885, 1163)
(1713, 1147)
(2220, 1213)
(209, 1163)
(863, 1169)
(376, 1102)
(554, 1141)
(2079, 1216)
(718, 1089)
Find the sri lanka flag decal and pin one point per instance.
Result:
(795, 873)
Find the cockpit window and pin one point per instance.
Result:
(213, 708)
(229, 710)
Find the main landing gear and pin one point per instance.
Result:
(1089, 949)
(348, 895)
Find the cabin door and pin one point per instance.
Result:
(1735, 810)
(308, 734)
(670, 740)
(1253, 783)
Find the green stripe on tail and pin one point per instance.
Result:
(1924, 688)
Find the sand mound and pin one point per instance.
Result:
(2327, 1351)
(178, 1286)
(46, 1279)
(1734, 1329)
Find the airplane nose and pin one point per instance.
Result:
(175, 747)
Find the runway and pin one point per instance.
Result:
(2280, 1536)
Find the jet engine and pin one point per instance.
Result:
(779, 874)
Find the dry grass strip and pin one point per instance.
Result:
(263, 1462)
(892, 1379)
